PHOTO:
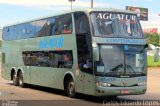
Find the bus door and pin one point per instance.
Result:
(84, 51)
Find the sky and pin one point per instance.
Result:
(15, 11)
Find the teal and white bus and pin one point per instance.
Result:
(98, 52)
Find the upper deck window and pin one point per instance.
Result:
(109, 24)
(56, 25)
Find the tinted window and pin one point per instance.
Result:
(65, 24)
(45, 27)
(83, 38)
(57, 59)
(81, 23)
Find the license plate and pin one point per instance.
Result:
(125, 91)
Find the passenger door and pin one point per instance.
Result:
(84, 51)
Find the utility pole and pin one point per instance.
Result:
(71, 3)
(91, 3)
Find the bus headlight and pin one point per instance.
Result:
(142, 84)
(103, 84)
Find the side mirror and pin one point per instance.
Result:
(146, 46)
(95, 51)
(156, 55)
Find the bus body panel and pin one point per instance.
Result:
(89, 84)
(43, 76)
(49, 78)
(53, 77)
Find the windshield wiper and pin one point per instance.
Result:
(117, 67)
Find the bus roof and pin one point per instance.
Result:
(75, 10)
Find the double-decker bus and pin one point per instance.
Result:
(98, 52)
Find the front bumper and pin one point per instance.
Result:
(117, 91)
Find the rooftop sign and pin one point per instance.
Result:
(142, 13)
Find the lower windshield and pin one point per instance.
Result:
(121, 60)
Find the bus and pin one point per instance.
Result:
(97, 52)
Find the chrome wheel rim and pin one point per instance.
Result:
(20, 81)
(71, 88)
(14, 78)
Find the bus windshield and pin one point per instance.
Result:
(121, 60)
(109, 24)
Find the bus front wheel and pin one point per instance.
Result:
(20, 80)
(70, 88)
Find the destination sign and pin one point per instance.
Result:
(119, 41)
(116, 16)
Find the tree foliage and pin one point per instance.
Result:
(152, 39)
(0, 43)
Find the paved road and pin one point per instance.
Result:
(40, 96)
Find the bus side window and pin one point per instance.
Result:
(55, 59)
(81, 23)
(65, 24)
(83, 37)
(44, 27)
(55, 27)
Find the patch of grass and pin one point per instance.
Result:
(151, 63)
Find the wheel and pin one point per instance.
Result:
(70, 88)
(20, 80)
(15, 79)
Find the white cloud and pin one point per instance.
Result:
(58, 5)
(138, 0)
(51, 4)
(55, 6)
(35, 2)
(153, 20)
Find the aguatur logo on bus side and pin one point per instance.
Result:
(56, 42)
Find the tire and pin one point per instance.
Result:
(70, 88)
(20, 80)
(15, 79)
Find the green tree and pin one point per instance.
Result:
(152, 39)
(0, 43)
